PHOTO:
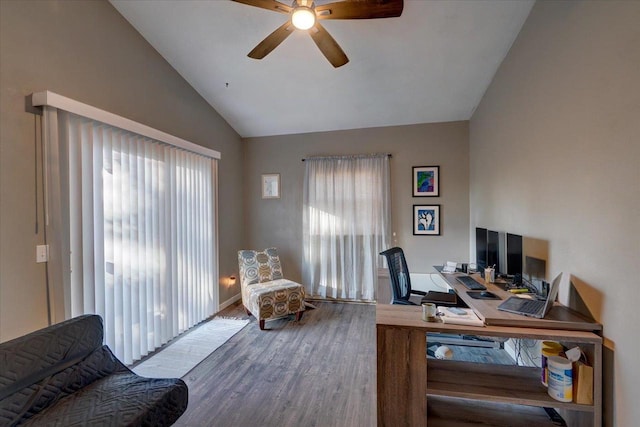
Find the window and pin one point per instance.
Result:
(346, 224)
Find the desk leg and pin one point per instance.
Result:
(402, 377)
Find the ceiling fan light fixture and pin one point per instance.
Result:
(303, 17)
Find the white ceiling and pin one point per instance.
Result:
(432, 64)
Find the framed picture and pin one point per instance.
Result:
(426, 220)
(426, 181)
(271, 186)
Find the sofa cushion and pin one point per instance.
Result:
(39, 396)
(29, 358)
(36, 368)
(63, 375)
(122, 399)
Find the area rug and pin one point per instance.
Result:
(177, 359)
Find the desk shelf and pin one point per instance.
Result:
(452, 412)
(517, 385)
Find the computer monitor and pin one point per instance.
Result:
(493, 250)
(481, 248)
(514, 254)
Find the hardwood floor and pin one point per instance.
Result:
(316, 372)
(320, 372)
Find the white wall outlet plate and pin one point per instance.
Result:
(42, 253)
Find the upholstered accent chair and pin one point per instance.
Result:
(265, 292)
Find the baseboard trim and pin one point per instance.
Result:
(230, 302)
(338, 300)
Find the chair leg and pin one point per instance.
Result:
(299, 315)
(247, 310)
(261, 323)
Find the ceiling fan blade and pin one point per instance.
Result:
(273, 5)
(360, 9)
(328, 46)
(271, 41)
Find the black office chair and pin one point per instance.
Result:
(399, 275)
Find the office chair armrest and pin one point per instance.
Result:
(418, 292)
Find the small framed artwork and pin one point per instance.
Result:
(271, 186)
(426, 181)
(426, 220)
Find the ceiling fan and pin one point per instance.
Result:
(305, 15)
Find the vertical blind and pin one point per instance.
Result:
(346, 222)
(137, 218)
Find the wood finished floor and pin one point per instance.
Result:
(316, 372)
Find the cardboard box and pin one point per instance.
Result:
(582, 383)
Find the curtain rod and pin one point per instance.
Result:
(356, 156)
(67, 104)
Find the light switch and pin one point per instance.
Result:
(42, 253)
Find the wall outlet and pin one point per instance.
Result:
(42, 253)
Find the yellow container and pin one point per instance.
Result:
(549, 348)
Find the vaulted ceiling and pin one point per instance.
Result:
(432, 64)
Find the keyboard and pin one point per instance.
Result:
(531, 306)
(471, 283)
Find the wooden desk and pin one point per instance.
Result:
(412, 391)
(559, 317)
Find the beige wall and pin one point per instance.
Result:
(555, 155)
(278, 222)
(86, 51)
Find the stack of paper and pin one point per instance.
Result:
(459, 316)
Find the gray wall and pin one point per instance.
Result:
(278, 222)
(87, 51)
(555, 155)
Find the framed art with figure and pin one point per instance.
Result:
(426, 181)
(426, 220)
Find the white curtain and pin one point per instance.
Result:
(346, 224)
(137, 220)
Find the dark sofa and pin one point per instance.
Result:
(63, 376)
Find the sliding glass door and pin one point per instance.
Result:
(138, 220)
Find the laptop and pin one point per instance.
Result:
(531, 307)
